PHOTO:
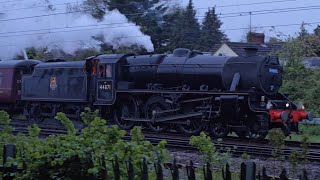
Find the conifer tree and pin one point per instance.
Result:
(210, 31)
(189, 28)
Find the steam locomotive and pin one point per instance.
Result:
(187, 91)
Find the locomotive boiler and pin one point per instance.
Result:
(186, 91)
(196, 70)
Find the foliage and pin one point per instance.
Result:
(317, 30)
(305, 148)
(310, 129)
(295, 155)
(210, 31)
(245, 156)
(168, 30)
(299, 82)
(33, 53)
(294, 160)
(206, 147)
(87, 116)
(5, 122)
(66, 122)
(276, 138)
(82, 54)
(190, 28)
(171, 30)
(34, 131)
(87, 155)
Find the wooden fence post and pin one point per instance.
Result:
(130, 170)
(283, 175)
(207, 172)
(116, 169)
(144, 171)
(158, 169)
(304, 175)
(190, 172)
(9, 151)
(264, 174)
(228, 173)
(104, 169)
(175, 171)
(248, 170)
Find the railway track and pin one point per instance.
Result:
(255, 149)
(177, 141)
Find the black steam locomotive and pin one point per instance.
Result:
(187, 90)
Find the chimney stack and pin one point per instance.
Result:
(257, 38)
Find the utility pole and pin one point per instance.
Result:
(250, 13)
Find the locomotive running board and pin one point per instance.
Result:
(169, 118)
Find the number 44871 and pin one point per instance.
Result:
(105, 87)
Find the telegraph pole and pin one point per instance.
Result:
(250, 13)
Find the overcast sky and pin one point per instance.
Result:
(283, 18)
(234, 27)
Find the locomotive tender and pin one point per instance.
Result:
(187, 90)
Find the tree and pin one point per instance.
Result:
(275, 40)
(303, 31)
(317, 31)
(210, 31)
(33, 53)
(171, 30)
(189, 29)
(300, 83)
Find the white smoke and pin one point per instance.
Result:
(67, 31)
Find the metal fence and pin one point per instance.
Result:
(247, 172)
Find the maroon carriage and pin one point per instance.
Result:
(11, 72)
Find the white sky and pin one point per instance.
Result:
(294, 17)
(12, 45)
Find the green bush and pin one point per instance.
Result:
(310, 129)
(87, 155)
(209, 153)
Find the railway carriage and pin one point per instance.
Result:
(186, 91)
(11, 73)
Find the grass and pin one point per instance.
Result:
(312, 131)
(298, 137)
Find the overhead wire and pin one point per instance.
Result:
(77, 2)
(134, 14)
(269, 11)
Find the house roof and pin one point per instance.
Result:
(312, 62)
(263, 49)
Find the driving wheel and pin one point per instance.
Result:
(156, 104)
(259, 128)
(219, 129)
(126, 108)
(191, 126)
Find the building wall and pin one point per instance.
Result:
(225, 50)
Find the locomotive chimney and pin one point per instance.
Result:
(251, 51)
(257, 38)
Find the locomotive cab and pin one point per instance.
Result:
(104, 70)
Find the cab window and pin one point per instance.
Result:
(102, 73)
(105, 71)
(108, 71)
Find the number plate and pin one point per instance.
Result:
(105, 86)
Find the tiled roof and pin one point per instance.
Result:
(263, 49)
